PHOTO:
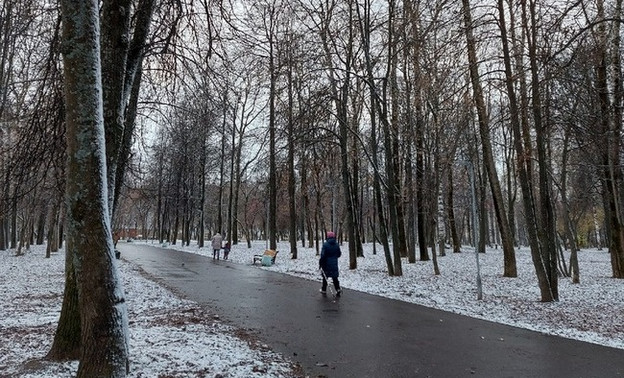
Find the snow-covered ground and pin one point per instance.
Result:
(172, 337)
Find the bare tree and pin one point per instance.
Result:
(510, 269)
(523, 166)
(610, 123)
(103, 315)
(117, 93)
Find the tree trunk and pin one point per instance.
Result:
(615, 169)
(340, 88)
(222, 155)
(114, 52)
(3, 233)
(618, 258)
(272, 221)
(291, 162)
(354, 185)
(41, 221)
(66, 344)
(305, 215)
(390, 127)
(483, 218)
(13, 220)
(570, 231)
(237, 189)
(510, 269)
(611, 180)
(232, 186)
(547, 229)
(451, 214)
(376, 110)
(130, 95)
(201, 237)
(103, 313)
(523, 157)
(53, 218)
(411, 214)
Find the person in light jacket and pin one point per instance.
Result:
(217, 239)
(329, 262)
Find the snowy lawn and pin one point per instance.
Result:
(171, 337)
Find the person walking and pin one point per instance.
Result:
(329, 262)
(217, 239)
(226, 250)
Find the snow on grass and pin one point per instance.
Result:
(169, 337)
(172, 337)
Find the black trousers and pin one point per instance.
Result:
(336, 283)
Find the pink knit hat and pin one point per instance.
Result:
(331, 234)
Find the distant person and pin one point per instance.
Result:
(226, 250)
(217, 239)
(329, 262)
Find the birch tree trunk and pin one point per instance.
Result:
(391, 153)
(611, 130)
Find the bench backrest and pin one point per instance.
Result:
(270, 252)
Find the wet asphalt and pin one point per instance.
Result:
(362, 335)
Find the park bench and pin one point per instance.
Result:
(267, 258)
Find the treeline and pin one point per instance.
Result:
(417, 124)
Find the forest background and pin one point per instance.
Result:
(423, 125)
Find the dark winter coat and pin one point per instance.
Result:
(329, 257)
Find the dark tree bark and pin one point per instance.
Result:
(412, 52)
(376, 112)
(123, 78)
(201, 237)
(451, 213)
(66, 344)
(130, 94)
(510, 269)
(421, 202)
(523, 157)
(617, 257)
(390, 134)
(292, 209)
(610, 129)
(222, 156)
(103, 313)
(547, 229)
(271, 29)
(114, 51)
(339, 88)
(570, 232)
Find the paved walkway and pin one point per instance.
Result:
(361, 335)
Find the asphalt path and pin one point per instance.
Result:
(362, 335)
